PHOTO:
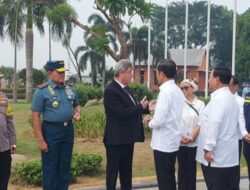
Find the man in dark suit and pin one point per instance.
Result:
(123, 126)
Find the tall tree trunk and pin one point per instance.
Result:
(49, 41)
(76, 66)
(104, 74)
(29, 53)
(29, 64)
(15, 62)
(93, 74)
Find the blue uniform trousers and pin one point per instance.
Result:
(56, 162)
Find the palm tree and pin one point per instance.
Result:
(36, 12)
(104, 29)
(140, 40)
(13, 18)
(95, 60)
(66, 43)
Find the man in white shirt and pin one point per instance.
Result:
(242, 132)
(218, 140)
(165, 125)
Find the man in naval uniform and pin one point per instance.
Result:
(58, 104)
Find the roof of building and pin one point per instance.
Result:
(194, 56)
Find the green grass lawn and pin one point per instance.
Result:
(26, 143)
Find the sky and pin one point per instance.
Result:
(84, 8)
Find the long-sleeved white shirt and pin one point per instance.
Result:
(241, 122)
(165, 123)
(218, 134)
(190, 119)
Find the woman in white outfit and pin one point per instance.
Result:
(189, 131)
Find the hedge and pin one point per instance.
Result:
(81, 164)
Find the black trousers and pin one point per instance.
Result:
(119, 160)
(5, 166)
(186, 168)
(240, 147)
(246, 152)
(165, 169)
(221, 178)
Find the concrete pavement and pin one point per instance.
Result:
(152, 185)
(201, 185)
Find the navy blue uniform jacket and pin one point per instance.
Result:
(123, 117)
(247, 111)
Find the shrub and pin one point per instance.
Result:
(90, 126)
(82, 95)
(140, 90)
(85, 164)
(29, 172)
(81, 164)
(202, 98)
(87, 92)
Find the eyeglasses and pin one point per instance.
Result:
(185, 87)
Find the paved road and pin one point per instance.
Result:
(202, 186)
(152, 185)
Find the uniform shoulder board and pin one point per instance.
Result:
(68, 84)
(247, 98)
(44, 85)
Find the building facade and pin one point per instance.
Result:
(196, 68)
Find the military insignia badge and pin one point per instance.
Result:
(55, 104)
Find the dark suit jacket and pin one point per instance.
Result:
(123, 117)
(247, 111)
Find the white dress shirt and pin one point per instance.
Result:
(190, 119)
(165, 123)
(218, 132)
(241, 122)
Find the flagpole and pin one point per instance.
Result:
(149, 49)
(234, 38)
(166, 30)
(207, 53)
(186, 38)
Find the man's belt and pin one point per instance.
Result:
(65, 123)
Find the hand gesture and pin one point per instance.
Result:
(43, 146)
(184, 140)
(77, 116)
(147, 119)
(247, 138)
(144, 102)
(208, 156)
(13, 149)
(151, 105)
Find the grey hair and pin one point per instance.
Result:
(122, 65)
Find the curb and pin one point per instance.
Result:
(148, 184)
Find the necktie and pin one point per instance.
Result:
(126, 89)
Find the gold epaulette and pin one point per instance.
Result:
(44, 85)
(247, 99)
(9, 111)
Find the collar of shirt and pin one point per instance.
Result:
(218, 91)
(53, 84)
(236, 94)
(122, 85)
(193, 102)
(169, 82)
